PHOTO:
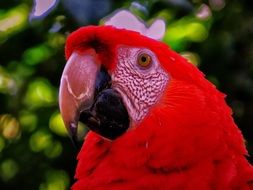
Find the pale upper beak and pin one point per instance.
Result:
(77, 87)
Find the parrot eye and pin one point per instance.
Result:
(144, 60)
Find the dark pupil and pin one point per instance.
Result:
(143, 59)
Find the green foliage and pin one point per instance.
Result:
(35, 151)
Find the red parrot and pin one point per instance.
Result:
(155, 121)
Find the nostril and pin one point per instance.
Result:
(97, 45)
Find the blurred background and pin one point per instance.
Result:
(35, 151)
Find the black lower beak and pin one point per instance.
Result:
(107, 116)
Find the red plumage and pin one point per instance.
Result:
(188, 140)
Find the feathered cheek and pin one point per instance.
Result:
(140, 80)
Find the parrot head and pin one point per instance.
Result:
(110, 82)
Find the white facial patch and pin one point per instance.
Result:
(140, 87)
(127, 20)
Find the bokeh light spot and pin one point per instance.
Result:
(7, 83)
(37, 54)
(56, 40)
(56, 125)
(42, 8)
(166, 14)
(54, 150)
(12, 21)
(204, 12)
(55, 180)
(9, 126)
(28, 121)
(40, 140)
(40, 93)
(8, 169)
(196, 32)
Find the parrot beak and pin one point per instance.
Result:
(86, 95)
(77, 88)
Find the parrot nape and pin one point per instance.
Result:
(155, 121)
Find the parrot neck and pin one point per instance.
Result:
(113, 165)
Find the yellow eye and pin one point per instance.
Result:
(144, 60)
